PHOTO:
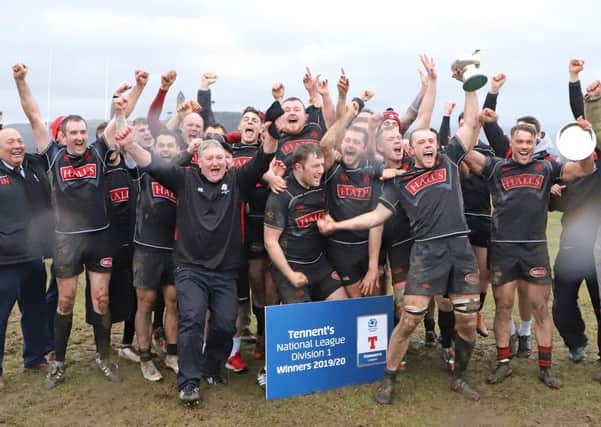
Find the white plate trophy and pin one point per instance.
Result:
(575, 143)
(469, 67)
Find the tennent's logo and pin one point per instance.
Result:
(372, 339)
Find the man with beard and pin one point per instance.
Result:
(520, 188)
(207, 252)
(442, 263)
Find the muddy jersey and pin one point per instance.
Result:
(155, 213)
(295, 212)
(431, 197)
(78, 186)
(311, 134)
(121, 203)
(476, 195)
(352, 192)
(520, 196)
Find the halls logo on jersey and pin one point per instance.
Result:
(290, 146)
(352, 192)
(159, 191)
(308, 219)
(427, 179)
(87, 171)
(119, 195)
(372, 339)
(524, 180)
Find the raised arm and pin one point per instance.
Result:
(468, 133)
(444, 133)
(31, 109)
(335, 133)
(411, 114)
(156, 107)
(592, 108)
(141, 77)
(572, 170)
(424, 115)
(328, 112)
(342, 86)
(203, 97)
(575, 90)
(494, 133)
(185, 108)
(474, 159)
(378, 216)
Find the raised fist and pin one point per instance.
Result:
(208, 79)
(277, 91)
(167, 79)
(141, 77)
(594, 90)
(187, 107)
(366, 95)
(19, 71)
(375, 120)
(449, 106)
(576, 66)
(487, 116)
(496, 82)
(122, 88)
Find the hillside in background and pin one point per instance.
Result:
(227, 118)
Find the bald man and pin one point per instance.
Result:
(25, 217)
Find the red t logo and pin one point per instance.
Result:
(372, 342)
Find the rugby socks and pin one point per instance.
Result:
(62, 331)
(525, 328)
(503, 354)
(512, 325)
(544, 356)
(235, 346)
(482, 298)
(463, 354)
(129, 330)
(102, 334)
(429, 324)
(172, 349)
(260, 315)
(446, 324)
(145, 355)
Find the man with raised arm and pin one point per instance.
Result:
(442, 261)
(78, 185)
(206, 253)
(520, 188)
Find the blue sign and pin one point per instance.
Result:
(318, 346)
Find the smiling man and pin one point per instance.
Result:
(442, 263)
(79, 190)
(520, 188)
(206, 253)
(24, 191)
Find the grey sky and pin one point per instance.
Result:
(251, 46)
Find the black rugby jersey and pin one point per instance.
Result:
(121, 201)
(476, 195)
(310, 134)
(352, 192)
(520, 195)
(295, 212)
(431, 197)
(155, 213)
(257, 196)
(78, 186)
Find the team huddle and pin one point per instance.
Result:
(183, 229)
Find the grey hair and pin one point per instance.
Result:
(208, 143)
